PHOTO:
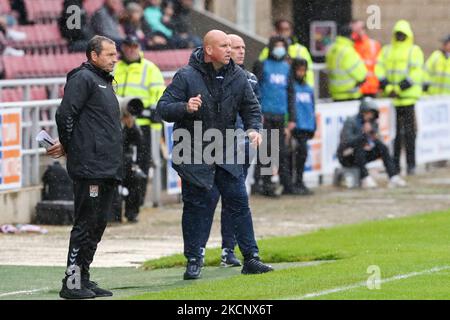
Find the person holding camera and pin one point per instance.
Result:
(360, 144)
(139, 77)
(133, 175)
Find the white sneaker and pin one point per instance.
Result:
(368, 183)
(397, 182)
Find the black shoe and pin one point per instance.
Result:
(132, 220)
(99, 292)
(229, 259)
(303, 190)
(71, 294)
(411, 171)
(193, 270)
(255, 266)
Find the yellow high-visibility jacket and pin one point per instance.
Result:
(295, 50)
(401, 60)
(346, 70)
(437, 73)
(141, 79)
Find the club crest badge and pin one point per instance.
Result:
(93, 191)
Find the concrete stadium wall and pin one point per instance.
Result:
(18, 206)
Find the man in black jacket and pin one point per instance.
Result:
(90, 136)
(209, 93)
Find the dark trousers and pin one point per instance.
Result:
(226, 222)
(406, 135)
(133, 200)
(277, 122)
(144, 159)
(360, 158)
(300, 154)
(197, 218)
(93, 203)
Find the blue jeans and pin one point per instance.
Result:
(226, 222)
(197, 217)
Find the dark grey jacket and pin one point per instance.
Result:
(352, 134)
(221, 104)
(89, 126)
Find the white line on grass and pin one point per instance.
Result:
(26, 292)
(364, 283)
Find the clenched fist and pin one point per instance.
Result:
(194, 104)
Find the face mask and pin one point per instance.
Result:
(279, 52)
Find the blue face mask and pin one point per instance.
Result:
(279, 52)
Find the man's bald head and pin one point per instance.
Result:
(237, 49)
(217, 48)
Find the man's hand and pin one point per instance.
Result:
(56, 151)
(194, 104)
(255, 139)
(291, 125)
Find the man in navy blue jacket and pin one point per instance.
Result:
(211, 91)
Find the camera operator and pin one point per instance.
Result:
(360, 144)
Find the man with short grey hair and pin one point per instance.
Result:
(90, 135)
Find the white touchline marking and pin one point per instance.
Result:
(27, 292)
(364, 283)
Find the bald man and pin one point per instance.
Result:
(228, 257)
(209, 93)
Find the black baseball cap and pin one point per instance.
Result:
(131, 41)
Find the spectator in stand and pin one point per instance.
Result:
(78, 38)
(154, 16)
(135, 25)
(105, 21)
(184, 37)
(19, 7)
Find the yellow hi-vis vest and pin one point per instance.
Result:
(437, 73)
(141, 79)
(295, 50)
(345, 70)
(401, 60)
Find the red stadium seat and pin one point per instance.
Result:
(5, 6)
(58, 65)
(40, 37)
(169, 60)
(43, 10)
(92, 5)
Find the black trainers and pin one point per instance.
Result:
(71, 294)
(193, 270)
(202, 253)
(228, 259)
(303, 190)
(99, 292)
(255, 266)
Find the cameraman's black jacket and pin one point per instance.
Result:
(89, 126)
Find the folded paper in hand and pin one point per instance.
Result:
(44, 140)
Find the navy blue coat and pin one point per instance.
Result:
(233, 96)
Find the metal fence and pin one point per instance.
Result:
(39, 115)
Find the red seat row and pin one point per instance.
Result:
(58, 65)
(43, 10)
(40, 36)
(5, 6)
(50, 10)
(18, 94)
